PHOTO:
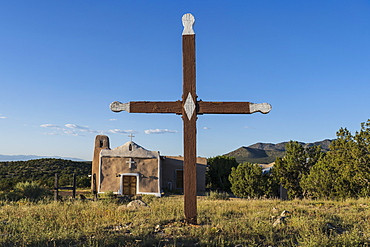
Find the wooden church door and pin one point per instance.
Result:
(129, 185)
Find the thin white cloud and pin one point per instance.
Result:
(113, 119)
(81, 128)
(206, 128)
(52, 134)
(247, 127)
(159, 131)
(71, 133)
(2, 117)
(72, 128)
(75, 126)
(75, 130)
(118, 131)
(51, 126)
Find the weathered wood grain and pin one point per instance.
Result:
(206, 107)
(189, 117)
(223, 107)
(156, 107)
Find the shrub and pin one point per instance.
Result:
(31, 190)
(215, 195)
(10, 195)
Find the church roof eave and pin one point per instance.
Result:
(130, 149)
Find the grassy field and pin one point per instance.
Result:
(236, 222)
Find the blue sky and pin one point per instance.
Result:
(63, 62)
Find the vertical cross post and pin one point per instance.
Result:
(189, 98)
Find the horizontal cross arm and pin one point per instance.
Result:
(206, 107)
(148, 107)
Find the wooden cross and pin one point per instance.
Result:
(189, 107)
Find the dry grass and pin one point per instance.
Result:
(221, 223)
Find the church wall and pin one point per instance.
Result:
(112, 167)
(171, 164)
(169, 168)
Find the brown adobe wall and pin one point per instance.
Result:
(172, 163)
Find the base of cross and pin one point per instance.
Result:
(191, 221)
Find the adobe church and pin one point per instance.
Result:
(131, 169)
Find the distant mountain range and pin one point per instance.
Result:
(32, 157)
(265, 153)
(261, 153)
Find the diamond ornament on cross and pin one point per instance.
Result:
(189, 107)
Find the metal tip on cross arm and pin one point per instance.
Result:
(262, 107)
(188, 22)
(118, 106)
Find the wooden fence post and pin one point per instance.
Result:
(95, 191)
(56, 187)
(74, 186)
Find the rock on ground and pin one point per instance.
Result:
(136, 204)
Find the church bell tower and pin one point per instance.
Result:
(101, 142)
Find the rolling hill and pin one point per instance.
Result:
(265, 153)
(43, 171)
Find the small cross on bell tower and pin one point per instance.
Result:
(131, 135)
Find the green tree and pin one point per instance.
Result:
(219, 169)
(345, 171)
(320, 182)
(289, 170)
(248, 180)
